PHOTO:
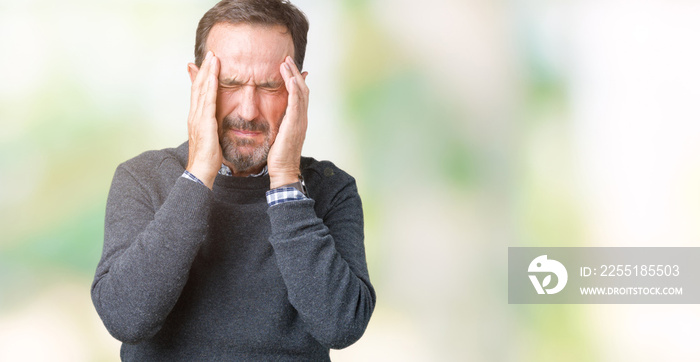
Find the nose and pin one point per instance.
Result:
(248, 106)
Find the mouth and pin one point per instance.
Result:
(245, 134)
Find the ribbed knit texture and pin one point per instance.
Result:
(192, 274)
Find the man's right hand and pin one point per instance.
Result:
(205, 155)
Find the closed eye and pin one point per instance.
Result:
(234, 85)
(271, 87)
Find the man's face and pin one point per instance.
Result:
(252, 97)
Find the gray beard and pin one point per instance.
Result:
(230, 145)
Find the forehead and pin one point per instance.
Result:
(251, 51)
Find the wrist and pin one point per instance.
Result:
(299, 184)
(204, 174)
(277, 181)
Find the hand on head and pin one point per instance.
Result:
(285, 153)
(205, 154)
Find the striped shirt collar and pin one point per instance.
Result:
(226, 171)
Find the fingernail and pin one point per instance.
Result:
(208, 55)
(287, 66)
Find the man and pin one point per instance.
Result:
(232, 246)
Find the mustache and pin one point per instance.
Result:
(235, 122)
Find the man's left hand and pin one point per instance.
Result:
(285, 152)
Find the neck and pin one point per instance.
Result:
(244, 173)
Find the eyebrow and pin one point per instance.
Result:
(229, 82)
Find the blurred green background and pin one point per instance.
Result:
(471, 126)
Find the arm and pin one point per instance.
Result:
(147, 254)
(322, 261)
(149, 247)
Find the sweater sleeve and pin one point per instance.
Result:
(323, 264)
(147, 254)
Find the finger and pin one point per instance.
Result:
(192, 68)
(209, 107)
(203, 73)
(289, 82)
(294, 81)
(198, 84)
(297, 99)
(286, 71)
(299, 92)
(289, 69)
(201, 77)
(208, 68)
(295, 119)
(292, 65)
(300, 79)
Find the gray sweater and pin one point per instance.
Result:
(192, 274)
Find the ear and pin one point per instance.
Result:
(303, 75)
(192, 69)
